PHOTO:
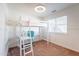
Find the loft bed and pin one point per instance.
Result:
(23, 37)
(31, 37)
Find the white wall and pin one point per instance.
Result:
(3, 31)
(71, 39)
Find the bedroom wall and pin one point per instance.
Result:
(3, 31)
(71, 38)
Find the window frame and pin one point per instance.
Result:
(56, 25)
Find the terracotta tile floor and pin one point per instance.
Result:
(41, 48)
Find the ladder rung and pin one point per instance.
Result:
(28, 52)
(27, 45)
(25, 38)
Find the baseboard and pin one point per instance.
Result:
(64, 47)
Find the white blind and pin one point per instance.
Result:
(58, 25)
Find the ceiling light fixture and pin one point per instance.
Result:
(40, 9)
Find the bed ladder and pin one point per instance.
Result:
(25, 46)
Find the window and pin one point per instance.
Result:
(58, 25)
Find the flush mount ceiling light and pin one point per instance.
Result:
(40, 9)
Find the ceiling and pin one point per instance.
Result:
(28, 8)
